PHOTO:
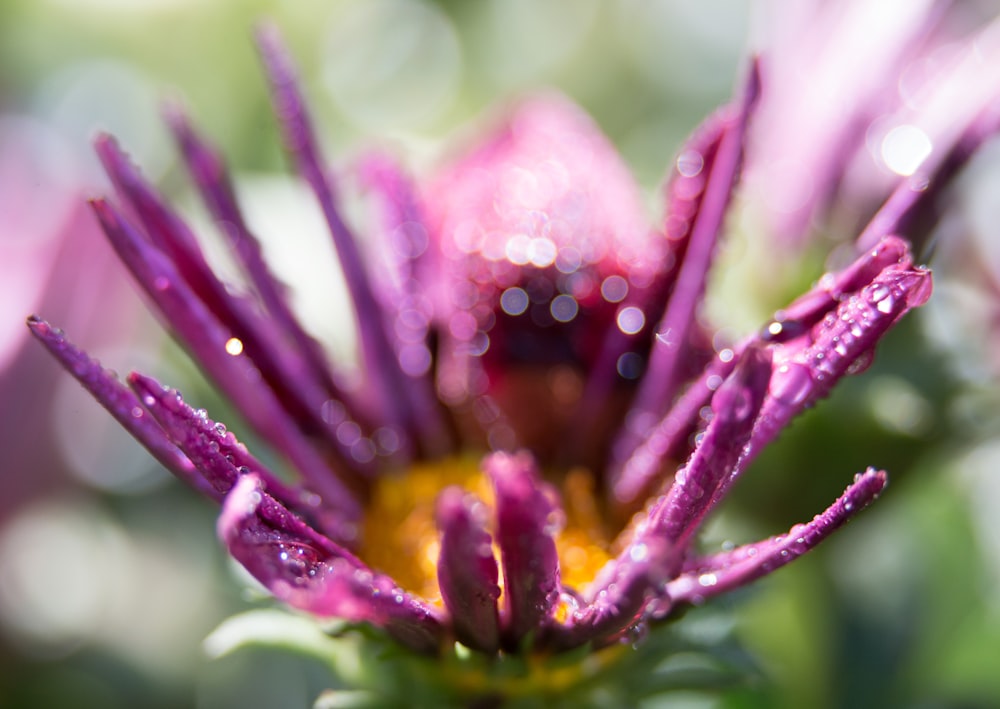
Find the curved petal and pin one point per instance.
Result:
(308, 571)
(385, 376)
(527, 551)
(723, 572)
(222, 459)
(120, 402)
(467, 570)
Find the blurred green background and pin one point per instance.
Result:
(110, 575)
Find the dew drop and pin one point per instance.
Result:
(862, 362)
(708, 580)
(690, 163)
(791, 383)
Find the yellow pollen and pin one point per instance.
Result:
(401, 538)
(234, 346)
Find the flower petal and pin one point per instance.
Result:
(296, 385)
(120, 402)
(467, 570)
(527, 550)
(206, 338)
(735, 409)
(385, 377)
(404, 295)
(222, 459)
(807, 367)
(530, 225)
(308, 571)
(724, 572)
(208, 170)
(672, 346)
(685, 192)
(668, 439)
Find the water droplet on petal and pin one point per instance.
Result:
(708, 580)
(791, 383)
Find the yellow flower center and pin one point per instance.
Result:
(401, 538)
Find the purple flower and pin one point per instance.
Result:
(533, 369)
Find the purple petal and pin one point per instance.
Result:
(625, 590)
(206, 338)
(208, 169)
(383, 369)
(467, 570)
(405, 296)
(307, 571)
(724, 572)
(655, 553)
(671, 347)
(735, 409)
(807, 310)
(685, 192)
(806, 368)
(524, 508)
(222, 459)
(294, 381)
(120, 402)
(668, 439)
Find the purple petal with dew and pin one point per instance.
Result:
(308, 571)
(843, 342)
(292, 379)
(625, 589)
(524, 517)
(890, 252)
(206, 338)
(120, 402)
(208, 170)
(467, 570)
(735, 408)
(386, 378)
(685, 192)
(405, 296)
(668, 440)
(720, 573)
(671, 346)
(657, 548)
(221, 459)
